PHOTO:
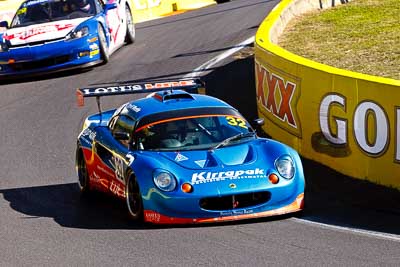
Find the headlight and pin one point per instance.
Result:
(78, 33)
(164, 180)
(285, 166)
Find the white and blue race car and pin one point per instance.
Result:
(52, 35)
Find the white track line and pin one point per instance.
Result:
(368, 233)
(204, 67)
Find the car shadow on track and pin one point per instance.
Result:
(67, 207)
(65, 204)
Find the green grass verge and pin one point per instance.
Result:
(362, 36)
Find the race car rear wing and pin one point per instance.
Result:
(191, 86)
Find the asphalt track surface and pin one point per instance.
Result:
(45, 222)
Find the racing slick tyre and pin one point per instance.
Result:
(134, 201)
(105, 55)
(130, 27)
(83, 176)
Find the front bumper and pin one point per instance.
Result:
(50, 56)
(243, 214)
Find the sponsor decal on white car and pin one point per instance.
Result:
(41, 32)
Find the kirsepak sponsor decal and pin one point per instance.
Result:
(209, 177)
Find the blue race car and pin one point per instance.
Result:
(51, 35)
(179, 157)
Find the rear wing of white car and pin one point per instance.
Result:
(191, 86)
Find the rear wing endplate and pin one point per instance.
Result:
(191, 86)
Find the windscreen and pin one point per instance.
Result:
(194, 132)
(41, 11)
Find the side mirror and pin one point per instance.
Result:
(110, 6)
(4, 24)
(259, 122)
(121, 136)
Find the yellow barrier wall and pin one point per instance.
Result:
(151, 9)
(143, 9)
(345, 120)
(8, 8)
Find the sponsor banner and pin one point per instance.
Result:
(345, 120)
(277, 96)
(190, 85)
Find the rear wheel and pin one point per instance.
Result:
(105, 56)
(134, 201)
(130, 27)
(83, 176)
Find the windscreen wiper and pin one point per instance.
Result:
(232, 138)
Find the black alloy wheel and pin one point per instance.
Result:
(134, 201)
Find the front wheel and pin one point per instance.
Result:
(130, 27)
(83, 176)
(133, 199)
(105, 56)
